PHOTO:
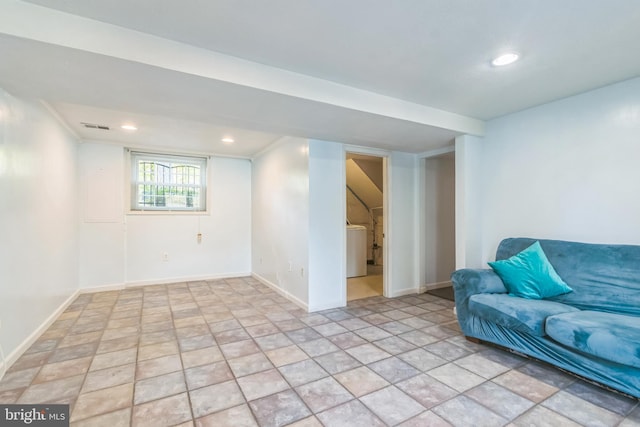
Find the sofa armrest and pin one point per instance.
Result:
(468, 282)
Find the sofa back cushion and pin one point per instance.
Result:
(603, 277)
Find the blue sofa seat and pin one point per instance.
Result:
(610, 336)
(593, 331)
(520, 314)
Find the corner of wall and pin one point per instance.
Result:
(280, 217)
(15, 354)
(468, 200)
(327, 236)
(281, 291)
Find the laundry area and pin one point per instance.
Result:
(365, 225)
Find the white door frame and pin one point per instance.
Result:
(386, 268)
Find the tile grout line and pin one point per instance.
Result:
(245, 301)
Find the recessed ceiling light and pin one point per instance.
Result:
(228, 140)
(128, 127)
(505, 59)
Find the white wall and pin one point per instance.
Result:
(565, 170)
(327, 226)
(469, 196)
(327, 223)
(439, 221)
(38, 219)
(299, 216)
(280, 217)
(328, 231)
(101, 195)
(225, 249)
(127, 249)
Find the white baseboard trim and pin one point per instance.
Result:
(165, 281)
(169, 280)
(281, 291)
(436, 285)
(28, 342)
(406, 291)
(103, 288)
(327, 306)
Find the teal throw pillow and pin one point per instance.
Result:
(529, 274)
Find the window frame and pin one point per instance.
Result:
(134, 156)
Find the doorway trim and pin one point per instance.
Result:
(386, 166)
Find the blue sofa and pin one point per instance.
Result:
(593, 331)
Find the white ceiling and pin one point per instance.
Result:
(156, 132)
(407, 75)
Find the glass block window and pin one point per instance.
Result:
(161, 182)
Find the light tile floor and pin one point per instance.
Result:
(364, 286)
(234, 353)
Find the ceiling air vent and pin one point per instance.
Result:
(94, 126)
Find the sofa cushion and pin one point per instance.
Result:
(603, 277)
(614, 337)
(520, 314)
(529, 274)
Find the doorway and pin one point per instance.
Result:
(365, 184)
(439, 224)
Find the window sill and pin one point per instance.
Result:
(187, 213)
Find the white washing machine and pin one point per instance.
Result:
(356, 250)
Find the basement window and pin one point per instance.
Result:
(162, 182)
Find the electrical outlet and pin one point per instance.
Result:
(302, 272)
(199, 237)
(290, 266)
(165, 257)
